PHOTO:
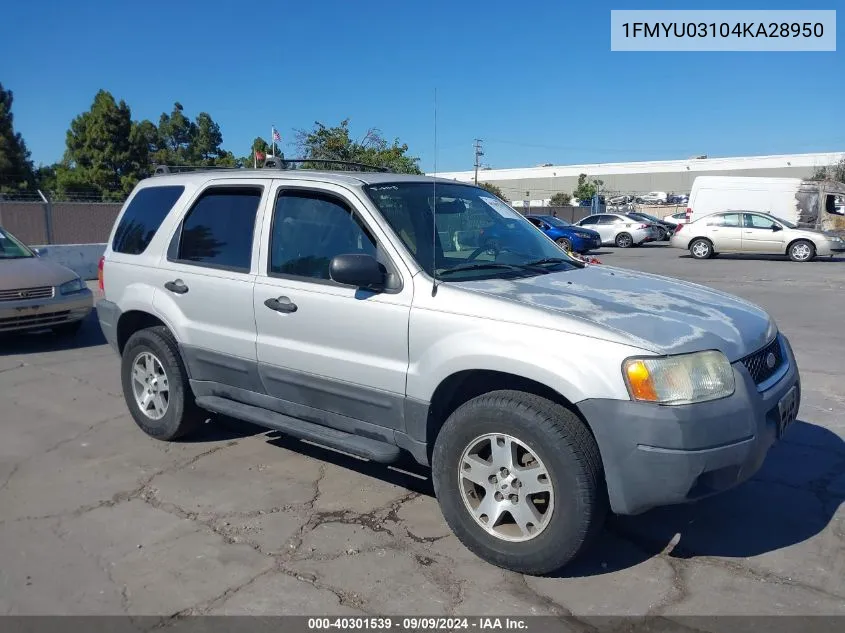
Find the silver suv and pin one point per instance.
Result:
(338, 308)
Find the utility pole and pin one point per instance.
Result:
(478, 154)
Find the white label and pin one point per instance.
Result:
(501, 208)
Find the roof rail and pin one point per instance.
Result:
(173, 169)
(280, 162)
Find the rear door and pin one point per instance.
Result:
(761, 235)
(725, 231)
(204, 282)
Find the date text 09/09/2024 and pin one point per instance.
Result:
(417, 623)
(723, 29)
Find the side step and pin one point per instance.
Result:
(367, 448)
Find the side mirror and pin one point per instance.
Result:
(776, 227)
(361, 271)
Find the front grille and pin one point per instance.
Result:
(44, 319)
(23, 294)
(757, 363)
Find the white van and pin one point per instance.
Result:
(807, 203)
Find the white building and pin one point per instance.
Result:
(538, 184)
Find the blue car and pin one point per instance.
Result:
(570, 237)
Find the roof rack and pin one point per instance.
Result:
(270, 162)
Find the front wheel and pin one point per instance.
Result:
(701, 249)
(519, 481)
(802, 251)
(565, 244)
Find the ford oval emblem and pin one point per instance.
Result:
(770, 360)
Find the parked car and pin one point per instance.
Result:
(542, 391)
(676, 218)
(38, 294)
(620, 230)
(588, 202)
(674, 198)
(620, 200)
(748, 232)
(653, 197)
(663, 228)
(567, 235)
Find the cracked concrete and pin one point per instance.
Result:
(97, 518)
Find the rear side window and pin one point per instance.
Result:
(143, 217)
(218, 230)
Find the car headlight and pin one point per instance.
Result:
(682, 379)
(70, 287)
(586, 236)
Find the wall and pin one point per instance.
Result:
(59, 223)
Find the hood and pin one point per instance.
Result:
(30, 272)
(563, 230)
(659, 314)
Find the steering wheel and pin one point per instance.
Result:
(491, 246)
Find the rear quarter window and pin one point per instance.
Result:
(143, 217)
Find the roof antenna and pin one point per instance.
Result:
(434, 206)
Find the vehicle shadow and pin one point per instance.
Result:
(791, 499)
(40, 341)
(764, 257)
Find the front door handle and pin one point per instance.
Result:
(178, 286)
(282, 304)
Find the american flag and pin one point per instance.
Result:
(276, 136)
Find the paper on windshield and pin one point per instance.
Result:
(3, 236)
(501, 208)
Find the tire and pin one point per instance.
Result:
(802, 251)
(624, 240)
(67, 329)
(564, 243)
(181, 415)
(662, 234)
(565, 449)
(701, 248)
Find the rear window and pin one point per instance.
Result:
(143, 217)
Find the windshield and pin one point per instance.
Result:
(11, 248)
(644, 217)
(478, 235)
(788, 225)
(555, 221)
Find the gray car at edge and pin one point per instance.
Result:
(542, 392)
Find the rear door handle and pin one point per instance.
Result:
(178, 286)
(281, 304)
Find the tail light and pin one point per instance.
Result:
(678, 228)
(643, 226)
(689, 213)
(101, 274)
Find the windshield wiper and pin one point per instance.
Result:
(549, 260)
(479, 266)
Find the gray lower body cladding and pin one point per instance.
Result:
(662, 455)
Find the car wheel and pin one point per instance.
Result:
(67, 329)
(701, 248)
(565, 244)
(519, 481)
(624, 240)
(662, 234)
(155, 385)
(802, 251)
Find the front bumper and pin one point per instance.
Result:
(37, 314)
(662, 455)
(584, 244)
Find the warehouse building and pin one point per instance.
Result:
(538, 184)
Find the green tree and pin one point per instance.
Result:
(102, 158)
(495, 190)
(560, 199)
(16, 171)
(830, 172)
(258, 145)
(336, 143)
(586, 189)
(176, 133)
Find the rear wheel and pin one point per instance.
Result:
(662, 234)
(624, 240)
(701, 248)
(519, 481)
(155, 385)
(802, 251)
(565, 244)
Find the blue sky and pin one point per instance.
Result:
(536, 80)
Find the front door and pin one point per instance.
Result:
(725, 231)
(204, 283)
(322, 346)
(761, 234)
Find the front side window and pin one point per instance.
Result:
(460, 231)
(218, 230)
(309, 229)
(758, 222)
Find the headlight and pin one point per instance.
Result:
(71, 287)
(681, 379)
(585, 236)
